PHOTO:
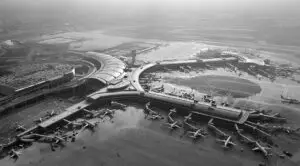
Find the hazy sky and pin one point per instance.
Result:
(32, 8)
(158, 3)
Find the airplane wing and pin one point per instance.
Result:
(232, 143)
(210, 121)
(219, 140)
(192, 136)
(201, 135)
(255, 149)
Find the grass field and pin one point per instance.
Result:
(221, 85)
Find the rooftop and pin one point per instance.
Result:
(111, 67)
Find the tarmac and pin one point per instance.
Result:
(129, 139)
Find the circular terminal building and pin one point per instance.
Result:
(111, 68)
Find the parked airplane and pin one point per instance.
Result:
(227, 142)
(158, 89)
(243, 137)
(167, 69)
(40, 120)
(209, 67)
(14, 154)
(50, 114)
(58, 139)
(266, 112)
(156, 117)
(172, 112)
(266, 117)
(186, 125)
(20, 128)
(108, 113)
(89, 124)
(72, 124)
(188, 67)
(173, 125)
(42, 138)
(196, 134)
(189, 117)
(149, 112)
(51, 139)
(212, 127)
(183, 69)
(262, 149)
(118, 105)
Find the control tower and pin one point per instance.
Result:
(133, 55)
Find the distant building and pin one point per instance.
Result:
(230, 53)
(254, 61)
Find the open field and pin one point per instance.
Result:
(101, 40)
(223, 85)
(84, 41)
(173, 51)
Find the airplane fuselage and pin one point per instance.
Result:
(261, 148)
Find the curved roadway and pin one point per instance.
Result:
(136, 76)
